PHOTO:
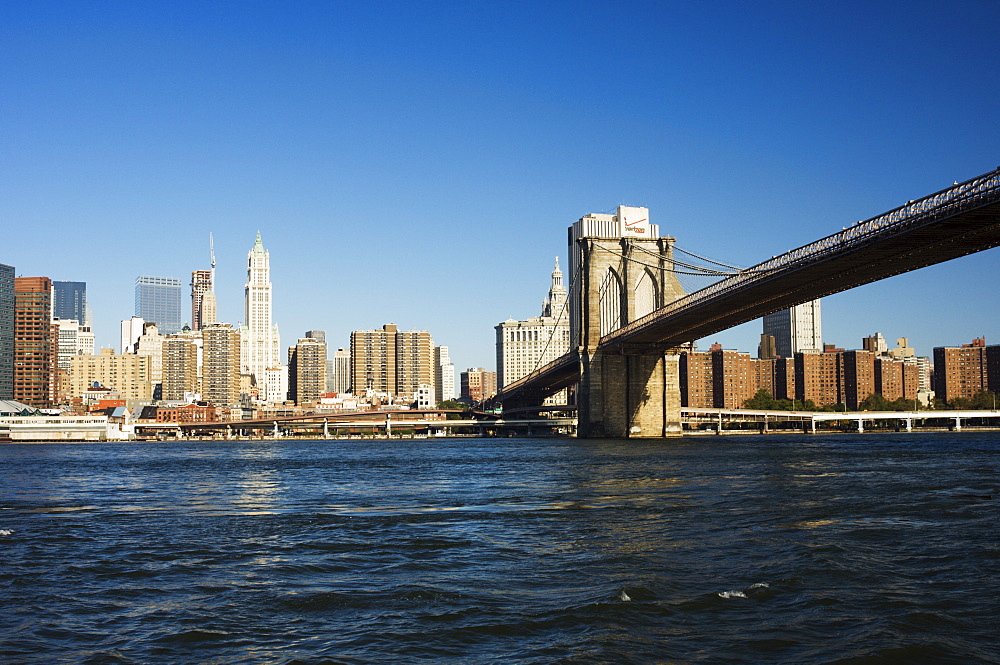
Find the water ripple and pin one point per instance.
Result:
(779, 550)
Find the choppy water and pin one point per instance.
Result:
(769, 549)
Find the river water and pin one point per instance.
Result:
(745, 549)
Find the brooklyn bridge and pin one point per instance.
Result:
(625, 349)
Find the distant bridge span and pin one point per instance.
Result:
(956, 221)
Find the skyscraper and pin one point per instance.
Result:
(796, 329)
(69, 301)
(158, 300)
(260, 346)
(6, 331)
(35, 342)
(201, 283)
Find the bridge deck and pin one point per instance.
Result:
(959, 220)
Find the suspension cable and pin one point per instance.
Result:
(690, 266)
(718, 263)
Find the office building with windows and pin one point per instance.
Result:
(307, 370)
(69, 301)
(444, 375)
(158, 300)
(201, 285)
(220, 365)
(260, 343)
(391, 361)
(338, 371)
(478, 384)
(35, 342)
(798, 329)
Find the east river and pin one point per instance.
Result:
(748, 549)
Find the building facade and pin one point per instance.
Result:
(960, 372)
(444, 375)
(414, 363)
(73, 339)
(220, 365)
(726, 379)
(150, 344)
(158, 300)
(69, 301)
(307, 370)
(796, 329)
(697, 380)
(391, 361)
(35, 342)
(6, 332)
(201, 284)
(478, 384)
(131, 331)
(734, 378)
(180, 367)
(127, 374)
(261, 343)
(338, 372)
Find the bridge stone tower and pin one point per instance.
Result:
(621, 270)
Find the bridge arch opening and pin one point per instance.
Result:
(611, 302)
(645, 296)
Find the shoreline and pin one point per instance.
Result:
(689, 433)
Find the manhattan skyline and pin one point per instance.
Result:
(419, 165)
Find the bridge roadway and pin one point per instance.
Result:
(956, 221)
(809, 419)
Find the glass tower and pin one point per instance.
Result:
(158, 300)
(70, 301)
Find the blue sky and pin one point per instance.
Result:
(418, 163)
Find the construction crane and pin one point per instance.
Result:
(211, 249)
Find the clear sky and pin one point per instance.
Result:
(418, 163)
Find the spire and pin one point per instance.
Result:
(557, 294)
(258, 246)
(557, 276)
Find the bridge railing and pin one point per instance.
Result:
(957, 198)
